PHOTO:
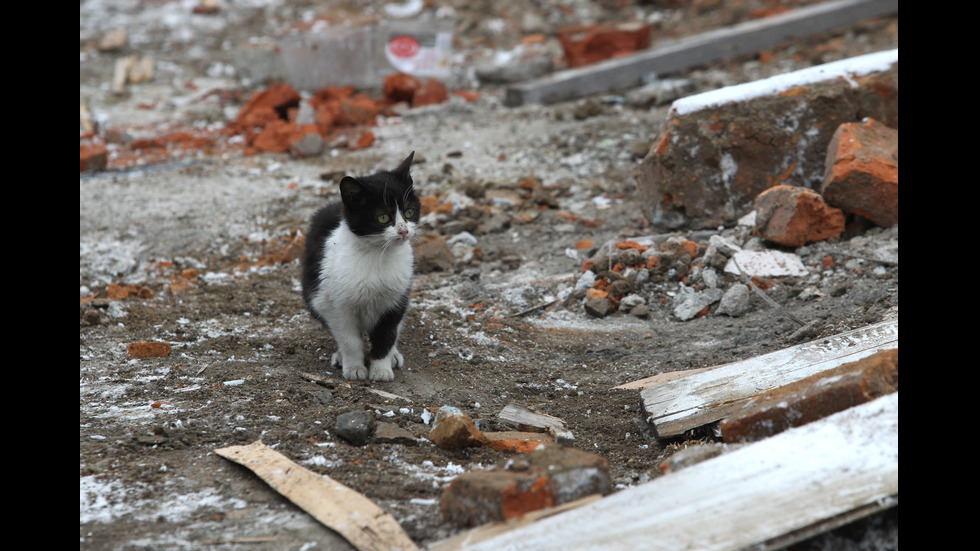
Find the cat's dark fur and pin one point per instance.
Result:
(358, 267)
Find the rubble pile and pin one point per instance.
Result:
(564, 250)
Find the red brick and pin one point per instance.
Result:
(148, 349)
(92, 157)
(794, 216)
(540, 479)
(517, 441)
(401, 87)
(711, 160)
(585, 44)
(263, 105)
(861, 172)
(279, 135)
(813, 398)
(431, 92)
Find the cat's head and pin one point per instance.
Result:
(382, 204)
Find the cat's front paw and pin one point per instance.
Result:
(355, 372)
(381, 370)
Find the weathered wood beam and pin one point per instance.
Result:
(703, 398)
(628, 72)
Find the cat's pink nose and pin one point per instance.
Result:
(402, 232)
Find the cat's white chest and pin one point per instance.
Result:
(360, 281)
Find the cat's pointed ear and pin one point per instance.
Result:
(351, 190)
(406, 164)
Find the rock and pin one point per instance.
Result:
(640, 311)
(794, 216)
(861, 171)
(735, 301)
(543, 478)
(356, 427)
(585, 44)
(308, 145)
(323, 396)
(599, 307)
(765, 263)
(689, 304)
(433, 254)
(719, 150)
(453, 428)
(390, 433)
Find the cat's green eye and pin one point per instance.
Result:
(409, 213)
(384, 218)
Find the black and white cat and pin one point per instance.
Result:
(358, 267)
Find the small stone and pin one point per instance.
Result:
(598, 307)
(390, 433)
(735, 301)
(356, 427)
(641, 311)
(691, 304)
(309, 145)
(323, 396)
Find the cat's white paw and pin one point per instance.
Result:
(355, 372)
(381, 369)
(337, 360)
(397, 361)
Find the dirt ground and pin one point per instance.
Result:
(195, 233)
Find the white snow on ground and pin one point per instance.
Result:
(102, 500)
(845, 68)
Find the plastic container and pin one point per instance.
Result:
(362, 56)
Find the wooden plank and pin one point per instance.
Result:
(628, 72)
(700, 399)
(355, 517)
(660, 378)
(528, 419)
(762, 496)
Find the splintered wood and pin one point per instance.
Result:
(703, 398)
(352, 515)
(529, 419)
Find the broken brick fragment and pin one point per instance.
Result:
(431, 92)
(401, 87)
(861, 171)
(92, 157)
(267, 105)
(517, 441)
(453, 428)
(150, 349)
(813, 398)
(543, 478)
(794, 216)
(585, 44)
